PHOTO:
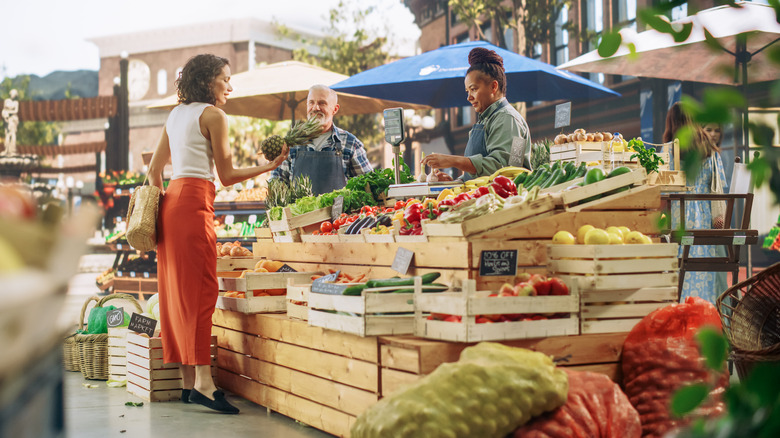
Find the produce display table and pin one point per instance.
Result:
(326, 378)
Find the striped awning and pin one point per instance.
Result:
(67, 109)
(71, 149)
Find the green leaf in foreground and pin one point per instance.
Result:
(136, 404)
(714, 348)
(688, 398)
(610, 43)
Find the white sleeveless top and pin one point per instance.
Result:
(191, 154)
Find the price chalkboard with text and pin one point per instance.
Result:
(286, 268)
(402, 260)
(142, 324)
(337, 208)
(498, 263)
(563, 115)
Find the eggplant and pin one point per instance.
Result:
(366, 223)
(385, 220)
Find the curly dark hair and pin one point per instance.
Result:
(490, 64)
(194, 82)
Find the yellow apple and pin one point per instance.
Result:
(615, 230)
(597, 236)
(646, 239)
(564, 238)
(615, 239)
(581, 233)
(635, 237)
(625, 231)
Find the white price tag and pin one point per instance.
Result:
(739, 240)
(118, 191)
(252, 218)
(118, 246)
(132, 274)
(686, 240)
(146, 275)
(229, 219)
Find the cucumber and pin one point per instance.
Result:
(581, 170)
(354, 290)
(520, 178)
(433, 287)
(390, 282)
(549, 181)
(543, 175)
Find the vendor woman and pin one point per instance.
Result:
(500, 137)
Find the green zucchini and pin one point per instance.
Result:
(354, 290)
(549, 181)
(520, 178)
(543, 175)
(433, 287)
(390, 282)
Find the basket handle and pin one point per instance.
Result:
(127, 297)
(84, 309)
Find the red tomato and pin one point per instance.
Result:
(399, 205)
(326, 227)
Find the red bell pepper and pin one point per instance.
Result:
(446, 204)
(506, 183)
(481, 191)
(412, 213)
(462, 197)
(400, 205)
(499, 190)
(416, 231)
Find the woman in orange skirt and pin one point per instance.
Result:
(195, 140)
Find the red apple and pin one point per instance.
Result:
(524, 290)
(507, 290)
(558, 287)
(542, 287)
(522, 277)
(452, 318)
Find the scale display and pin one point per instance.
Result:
(394, 125)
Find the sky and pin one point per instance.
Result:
(42, 36)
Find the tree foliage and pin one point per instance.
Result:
(719, 105)
(29, 133)
(349, 47)
(533, 21)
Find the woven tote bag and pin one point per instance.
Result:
(142, 218)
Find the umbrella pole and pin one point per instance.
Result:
(743, 57)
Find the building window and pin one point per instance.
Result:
(624, 13)
(561, 52)
(537, 54)
(462, 38)
(463, 116)
(679, 12)
(162, 82)
(593, 21)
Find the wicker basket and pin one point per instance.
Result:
(70, 356)
(93, 348)
(750, 313)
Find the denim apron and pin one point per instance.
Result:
(476, 144)
(325, 169)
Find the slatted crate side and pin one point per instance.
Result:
(491, 221)
(298, 311)
(306, 411)
(570, 197)
(289, 331)
(606, 311)
(297, 300)
(597, 260)
(117, 352)
(643, 197)
(545, 226)
(352, 372)
(236, 263)
(324, 391)
(368, 312)
(470, 303)
(362, 325)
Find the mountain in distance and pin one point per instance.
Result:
(83, 83)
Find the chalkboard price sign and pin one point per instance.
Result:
(337, 208)
(286, 268)
(402, 260)
(115, 318)
(142, 324)
(498, 262)
(563, 115)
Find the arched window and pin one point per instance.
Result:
(162, 82)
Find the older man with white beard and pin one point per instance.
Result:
(330, 159)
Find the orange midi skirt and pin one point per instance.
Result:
(186, 270)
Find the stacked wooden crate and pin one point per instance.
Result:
(405, 359)
(298, 300)
(618, 284)
(320, 377)
(147, 376)
(117, 353)
(290, 228)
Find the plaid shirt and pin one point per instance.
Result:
(353, 152)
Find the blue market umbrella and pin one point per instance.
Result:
(435, 78)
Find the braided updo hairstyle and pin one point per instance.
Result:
(194, 82)
(490, 64)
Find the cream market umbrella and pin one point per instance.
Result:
(659, 56)
(278, 92)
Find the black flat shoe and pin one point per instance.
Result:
(218, 404)
(185, 395)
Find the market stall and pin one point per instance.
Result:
(499, 262)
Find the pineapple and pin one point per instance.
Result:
(301, 133)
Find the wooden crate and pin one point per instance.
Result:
(618, 284)
(320, 377)
(406, 359)
(236, 263)
(487, 222)
(469, 303)
(368, 312)
(147, 376)
(298, 293)
(615, 266)
(573, 199)
(117, 353)
(619, 310)
(264, 235)
(290, 228)
(254, 281)
(377, 238)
